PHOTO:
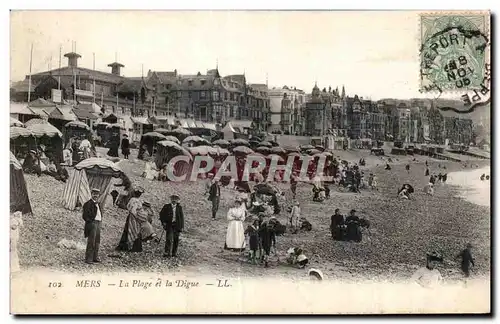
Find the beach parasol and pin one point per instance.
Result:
(77, 124)
(221, 151)
(292, 149)
(264, 189)
(172, 139)
(35, 121)
(162, 131)
(319, 147)
(45, 129)
(306, 147)
(263, 149)
(174, 145)
(273, 143)
(15, 123)
(98, 163)
(202, 150)
(180, 131)
(239, 141)
(221, 142)
(16, 132)
(313, 151)
(195, 139)
(278, 150)
(275, 157)
(266, 143)
(155, 135)
(294, 154)
(243, 149)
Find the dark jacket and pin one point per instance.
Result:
(125, 144)
(167, 218)
(89, 212)
(214, 192)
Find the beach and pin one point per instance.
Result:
(400, 234)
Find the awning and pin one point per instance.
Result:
(140, 120)
(84, 114)
(21, 109)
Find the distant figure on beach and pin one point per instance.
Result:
(467, 260)
(408, 168)
(444, 177)
(429, 276)
(427, 172)
(426, 163)
(432, 179)
(440, 177)
(487, 177)
(387, 166)
(482, 177)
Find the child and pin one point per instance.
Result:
(297, 258)
(295, 217)
(267, 240)
(253, 235)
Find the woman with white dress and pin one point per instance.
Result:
(235, 236)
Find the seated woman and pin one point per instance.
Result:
(145, 218)
(403, 193)
(429, 189)
(163, 174)
(296, 257)
(150, 171)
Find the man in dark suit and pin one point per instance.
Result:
(172, 219)
(92, 215)
(214, 196)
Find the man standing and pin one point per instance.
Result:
(125, 146)
(337, 225)
(467, 260)
(92, 217)
(214, 196)
(172, 219)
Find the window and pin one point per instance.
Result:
(202, 94)
(190, 82)
(169, 86)
(203, 82)
(215, 95)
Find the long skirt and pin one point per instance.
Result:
(123, 245)
(235, 236)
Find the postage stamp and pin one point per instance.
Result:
(454, 51)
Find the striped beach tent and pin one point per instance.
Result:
(19, 199)
(88, 174)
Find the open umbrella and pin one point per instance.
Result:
(221, 142)
(221, 151)
(264, 189)
(273, 143)
(319, 147)
(275, 157)
(155, 135)
(77, 124)
(306, 147)
(294, 154)
(16, 132)
(180, 131)
(313, 151)
(278, 150)
(290, 149)
(240, 141)
(174, 145)
(15, 123)
(195, 139)
(202, 150)
(163, 131)
(266, 143)
(172, 139)
(243, 150)
(263, 149)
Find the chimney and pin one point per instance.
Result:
(72, 59)
(115, 67)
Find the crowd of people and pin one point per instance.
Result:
(253, 226)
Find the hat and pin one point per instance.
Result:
(353, 210)
(146, 203)
(139, 189)
(95, 190)
(175, 197)
(315, 273)
(255, 203)
(210, 175)
(33, 151)
(296, 203)
(125, 135)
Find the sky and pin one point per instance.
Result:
(373, 54)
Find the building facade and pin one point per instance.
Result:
(286, 110)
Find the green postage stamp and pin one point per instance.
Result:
(454, 51)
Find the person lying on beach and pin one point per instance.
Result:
(296, 257)
(429, 276)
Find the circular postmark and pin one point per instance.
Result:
(453, 54)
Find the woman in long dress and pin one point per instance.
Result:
(130, 240)
(235, 236)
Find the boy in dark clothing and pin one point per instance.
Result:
(267, 240)
(253, 233)
(467, 260)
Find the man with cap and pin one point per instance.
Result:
(92, 215)
(429, 276)
(172, 219)
(214, 196)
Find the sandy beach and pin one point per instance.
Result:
(401, 231)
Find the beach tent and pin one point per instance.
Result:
(88, 174)
(19, 199)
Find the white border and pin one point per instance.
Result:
(192, 4)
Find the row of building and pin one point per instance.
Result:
(217, 99)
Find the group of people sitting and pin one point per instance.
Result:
(37, 162)
(347, 228)
(483, 177)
